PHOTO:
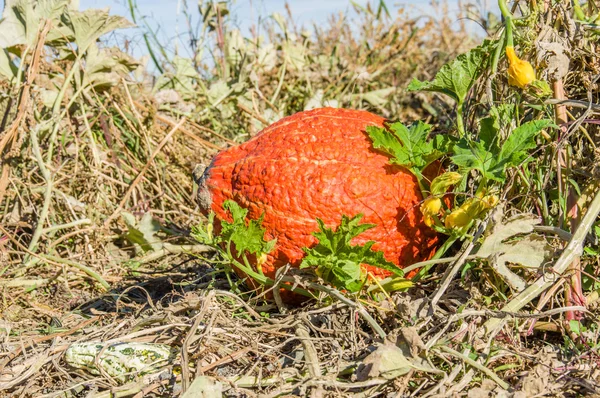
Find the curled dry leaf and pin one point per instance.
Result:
(530, 251)
(204, 387)
(553, 50)
(556, 59)
(389, 361)
(142, 233)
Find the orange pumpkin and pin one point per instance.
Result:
(320, 163)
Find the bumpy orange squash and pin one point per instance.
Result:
(320, 163)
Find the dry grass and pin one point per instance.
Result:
(128, 149)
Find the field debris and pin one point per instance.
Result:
(113, 282)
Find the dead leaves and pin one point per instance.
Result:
(513, 243)
(391, 360)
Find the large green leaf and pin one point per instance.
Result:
(245, 235)
(338, 261)
(472, 155)
(514, 150)
(456, 78)
(492, 161)
(409, 146)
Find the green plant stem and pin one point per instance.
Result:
(266, 281)
(61, 94)
(80, 267)
(83, 221)
(56, 108)
(436, 259)
(507, 21)
(579, 14)
(261, 279)
(476, 365)
(504, 9)
(509, 32)
(132, 11)
(498, 52)
(20, 69)
(88, 129)
(281, 79)
(542, 198)
(39, 229)
(37, 233)
(460, 125)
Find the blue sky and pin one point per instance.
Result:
(168, 16)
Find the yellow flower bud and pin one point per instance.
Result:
(470, 210)
(441, 183)
(520, 72)
(459, 217)
(260, 260)
(490, 201)
(430, 207)
(397, 283)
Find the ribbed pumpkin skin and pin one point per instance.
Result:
(320, 163)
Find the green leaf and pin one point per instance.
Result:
(441, 145)
(21, 20)
(386, 141)
(504, 114)
(203, 233)
(339, 262)
(105, 67)
(456, 78)
(8, 70)
(414, 140)
(575, 327)
(469, 155)
(183, 78)
(409, 146)
(513, 151)
(296, 55)
(142, 234)
(489, 130)
(89, 25)
(246, 236)
(348, 273)
(441, 183)
(491, 160)
(218, 91)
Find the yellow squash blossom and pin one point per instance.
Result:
(260, 260)
(470, 210)
(430, 207)
(441, 183)
(520, 72)
(459, 217)
(490, 201)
